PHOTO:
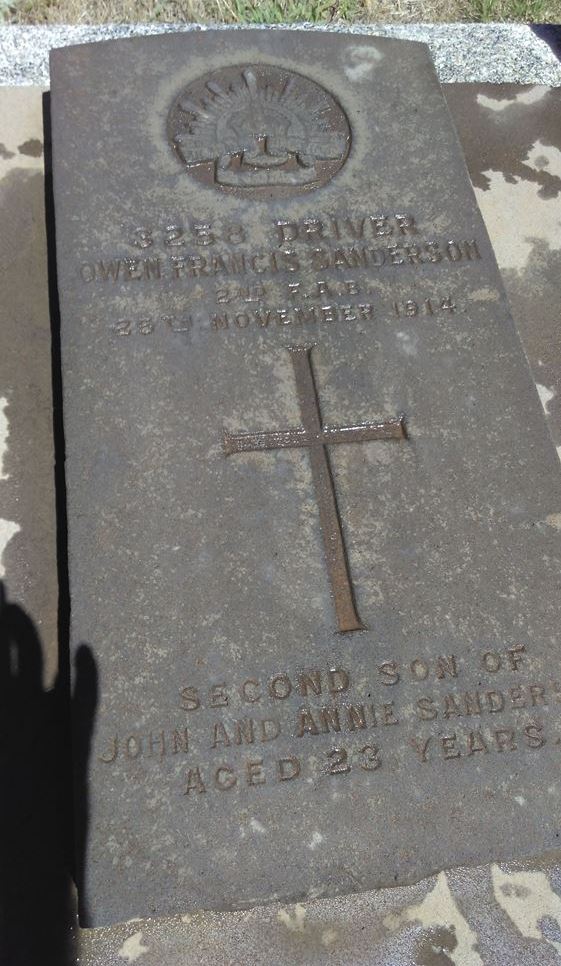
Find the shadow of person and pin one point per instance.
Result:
(550, 33)
(37, 907)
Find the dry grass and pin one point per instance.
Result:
(276, 11)
(418, 11)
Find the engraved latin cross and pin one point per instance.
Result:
(316, 438)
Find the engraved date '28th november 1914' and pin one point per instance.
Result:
(312, 272)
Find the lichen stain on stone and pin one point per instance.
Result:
(361, 61)
(295, 919)
(485, 294)
(4, 153)
(531, 96)
(528, 188)
(554, 519)
(257, 826)
(4, 433)
(491, 146)
(317, 839)
(546, 395)
(8, 528)
(530, 903)
(449, 939)
(133, 948)
(407, 343)
(33, 148)
(328, 938)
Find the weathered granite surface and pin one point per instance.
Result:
(501, 914)
(462, 52)
(302, 656)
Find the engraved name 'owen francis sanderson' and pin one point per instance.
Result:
(259, 130)
(316, 437)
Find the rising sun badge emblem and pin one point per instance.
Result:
(259, 130)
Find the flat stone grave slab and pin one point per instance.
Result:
(381, 925)
(310, 544)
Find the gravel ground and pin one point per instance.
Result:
(483, 53)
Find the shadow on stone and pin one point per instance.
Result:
(36, 831)
(551, 34)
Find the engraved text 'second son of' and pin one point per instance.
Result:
(313, 508)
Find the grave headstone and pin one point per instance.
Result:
(314, 508)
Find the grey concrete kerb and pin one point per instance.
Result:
(482, 53)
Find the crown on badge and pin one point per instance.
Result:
(257, 134)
